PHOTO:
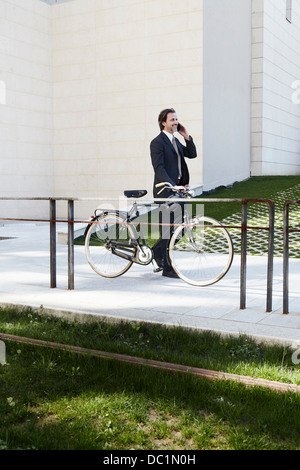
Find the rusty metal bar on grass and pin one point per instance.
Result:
(166, 366)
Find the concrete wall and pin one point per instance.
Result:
(226, 91)
(276, 67)
(26, 164)
(82, 84)
(116, 65)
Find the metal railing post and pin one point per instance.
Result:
(70, 244)
(286, 258)
(52, 243)
(270, 256)
(243, 256)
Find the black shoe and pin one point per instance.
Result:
(169, 272)
(160, 265)
(157, 270)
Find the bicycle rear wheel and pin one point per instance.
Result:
(106, 231)
(202, 252)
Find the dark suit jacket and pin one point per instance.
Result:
(165, 162)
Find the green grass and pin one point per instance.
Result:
(54, 400)
(258, 187)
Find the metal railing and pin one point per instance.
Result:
(243, 227)
(286, 231)
(53, 221)
(270, 269)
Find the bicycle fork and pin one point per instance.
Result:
(190, 235)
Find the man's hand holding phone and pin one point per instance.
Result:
(182, 131)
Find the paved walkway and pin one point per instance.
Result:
(141, 294)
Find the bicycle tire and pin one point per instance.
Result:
(201, 253)
(107, 228)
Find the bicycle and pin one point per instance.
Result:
(200, 249)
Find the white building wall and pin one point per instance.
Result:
(26, 166)
(116, 65)
(82, 83)
(276, 67)
(226, 91)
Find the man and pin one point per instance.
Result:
(168, 160)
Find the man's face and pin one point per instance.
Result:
(171, 123)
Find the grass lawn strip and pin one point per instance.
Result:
(54, 399)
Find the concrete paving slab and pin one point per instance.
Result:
(142, 295)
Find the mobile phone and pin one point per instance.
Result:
(179, 126)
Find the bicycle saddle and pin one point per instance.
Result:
(136, 193)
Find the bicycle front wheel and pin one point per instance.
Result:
(101, 245)
(201, 252)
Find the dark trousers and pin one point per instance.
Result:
(170, 214)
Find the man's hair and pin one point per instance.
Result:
(163, 116)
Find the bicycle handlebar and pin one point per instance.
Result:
(184, 190)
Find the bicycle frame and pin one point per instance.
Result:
(131, 215)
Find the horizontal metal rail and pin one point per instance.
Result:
(71, 221)
(286, 231)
